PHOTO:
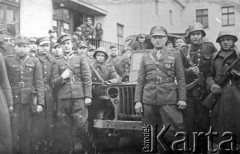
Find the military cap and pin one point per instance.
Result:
(226, 33)
(195, 27)
(141, 35)
(126, 49)
(55, 45)
(82, 44)
(21, 40)
(158, 31)
(78, 29)
(63, 38)
(43, 40)
(51, 31)
(112, 46)
(102, 50)
(33, 39)
(92, 47)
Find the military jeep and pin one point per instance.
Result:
(112, 114)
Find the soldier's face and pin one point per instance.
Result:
(21, 49)
(57, 51)
(89, 22)
(226, 42)
(196, 37)
(100, 57)
(79, 32)
(44, 48)
(90, 53)
(179, 43)
(82, 50)
(159, 41)
(114, 52)
(141, 39)
(127, 54)
(75, 37)
(67, 46)
(33, 46)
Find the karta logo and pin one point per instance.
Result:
(180, 141)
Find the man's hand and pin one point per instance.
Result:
(181, 105)
(10, 108)
(216, 89)
(195, 70)
(39, 108)
(138, 107)
(66, 74)
(88, 101)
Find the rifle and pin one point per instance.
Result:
(190, 62)
(210, 100)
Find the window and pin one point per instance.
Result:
(202, 17)
(9, 17)
(228, 16)
(120, 34)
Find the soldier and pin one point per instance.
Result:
(56, 50)
(90, 53)
(114, 57)
(197, 61)
(5, 48)
(82, 48)
(33, 46)
(163, 100)
(52, 36)
(88, 30)
(123, 68)
(179, 42)
(140, 43)
(26, 80)
(6, 103)
(43, 124)
(72, 75)
(225, 114)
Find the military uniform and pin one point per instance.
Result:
(43, 126)
(123, 70)
(26, 80)
(88, 31)
(114, 60)
(196, 118)
(225, 113)
(6, 49)
(72, 114)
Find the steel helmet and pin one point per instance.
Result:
(226, 33)
(195, 27)
(101, 49)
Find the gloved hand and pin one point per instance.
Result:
(138, 107)
(88, 101)
(181, 104)
(216, 89)
(195, 70)
(66, 74)
(39, 108)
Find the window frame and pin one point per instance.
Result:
(227, 14)
(202, 16)
(120, 35)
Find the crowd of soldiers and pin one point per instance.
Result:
(47, 88)
(191, 88)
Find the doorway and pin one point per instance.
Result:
(77, 20)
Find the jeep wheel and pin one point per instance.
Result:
(105, 139)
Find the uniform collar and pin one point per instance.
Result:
(164, 53)
(69, 56)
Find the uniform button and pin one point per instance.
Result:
(21, 67)
(16, 96)
(45, 72)
(95, 78)
(158, 69)
(45, 66)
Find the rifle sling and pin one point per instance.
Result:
(97, 74)
(155, 60)
(71, 69)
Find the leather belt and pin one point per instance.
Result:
(159, 79)
(21, 84)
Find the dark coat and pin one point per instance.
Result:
(169, 66)
(80, 83)
(99, 34)
(6, 49)
(114, 60)
(123, 69)
(225, 114)
(5, 101)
